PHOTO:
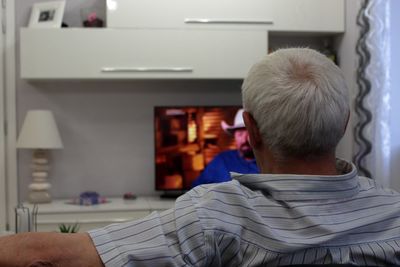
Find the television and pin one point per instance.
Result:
(186, 139)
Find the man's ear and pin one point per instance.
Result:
(252, 128)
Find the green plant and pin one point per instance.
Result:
(68, 228)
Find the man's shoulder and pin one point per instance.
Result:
(232, 188)
(224, 157)
(209, 200)
(369, 185)
(227, 154)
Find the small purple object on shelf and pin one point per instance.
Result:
(90, 198)
(129, 196)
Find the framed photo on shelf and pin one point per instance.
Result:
(47, 14)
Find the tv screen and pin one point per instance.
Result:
(186, 140)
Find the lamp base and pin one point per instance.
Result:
(36, 197)
(39, 188)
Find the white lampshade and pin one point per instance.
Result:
(39, 130)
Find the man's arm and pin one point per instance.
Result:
(48, 249)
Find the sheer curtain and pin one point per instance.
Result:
(372, 103)
(395, 92)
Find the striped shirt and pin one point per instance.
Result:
(264, 219)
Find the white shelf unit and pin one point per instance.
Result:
(50, 215)
(174, 39)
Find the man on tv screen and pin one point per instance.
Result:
(240, 160)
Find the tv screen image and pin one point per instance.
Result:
(186, 140)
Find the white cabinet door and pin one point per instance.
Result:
(274, 15)
(126, 54)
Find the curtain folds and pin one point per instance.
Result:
(372, 102)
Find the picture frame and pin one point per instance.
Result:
(47, 14)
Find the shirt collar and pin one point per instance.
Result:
(304, 187)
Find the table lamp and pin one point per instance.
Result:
(39, 132)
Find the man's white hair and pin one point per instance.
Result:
(299, 100)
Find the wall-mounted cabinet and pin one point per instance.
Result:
(163, 39)
(273, 15)
(125, 54)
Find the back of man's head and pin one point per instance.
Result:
(299, 100)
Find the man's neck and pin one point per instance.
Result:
(321, 165)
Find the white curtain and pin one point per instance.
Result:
(372, 103)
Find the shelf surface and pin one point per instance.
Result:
(142, 203)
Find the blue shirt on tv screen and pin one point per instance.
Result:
(218, 169)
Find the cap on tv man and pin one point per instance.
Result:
(239, 160)
(306, 207)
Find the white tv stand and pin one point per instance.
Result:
(89, 217)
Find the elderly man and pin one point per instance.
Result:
(306, 206)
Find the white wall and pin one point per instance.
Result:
(348, 63)
(107, 129)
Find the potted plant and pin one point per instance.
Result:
(68, 228)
